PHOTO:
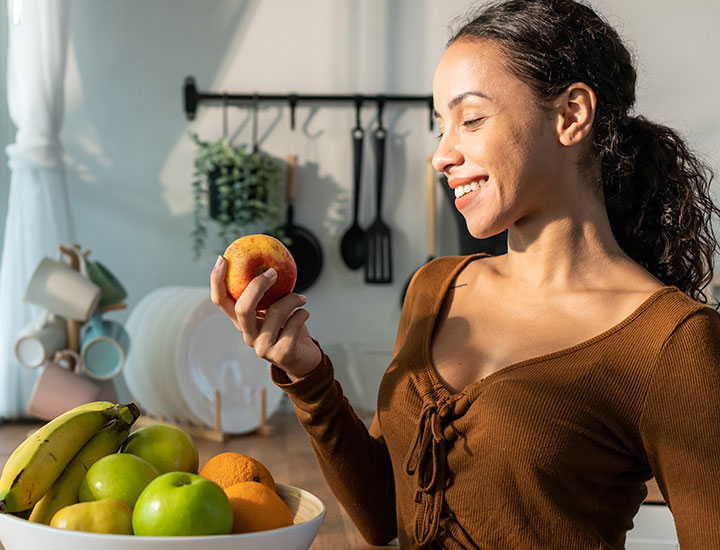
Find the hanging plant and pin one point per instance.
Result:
(236, 188)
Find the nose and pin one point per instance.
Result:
(447, 155)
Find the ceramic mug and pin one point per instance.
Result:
(40, 339)
(60, 289)
(60, 387)
(105, 345)
(112, 290)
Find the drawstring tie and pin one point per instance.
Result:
(427, 458)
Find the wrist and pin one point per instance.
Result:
(302, 373)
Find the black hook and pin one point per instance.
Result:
(293, 99)
(380, 107)
(358, 100)
(256, 103)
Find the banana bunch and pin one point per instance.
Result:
(49, 462)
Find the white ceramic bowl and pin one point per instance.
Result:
(308, 511)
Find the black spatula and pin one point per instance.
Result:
(378, 259)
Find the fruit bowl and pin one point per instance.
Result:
(308, 512)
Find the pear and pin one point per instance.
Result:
(107, 515)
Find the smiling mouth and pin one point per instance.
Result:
(461, 190)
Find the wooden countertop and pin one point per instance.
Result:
(288, 455)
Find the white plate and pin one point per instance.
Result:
(196, 296)
(308, 512)
(137, 326)
(212, 355)
(162, 375)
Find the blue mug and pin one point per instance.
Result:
(105, 346)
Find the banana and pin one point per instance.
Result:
(93, 406)
(33, 468)
(64, 491)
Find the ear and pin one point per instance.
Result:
(576, 112)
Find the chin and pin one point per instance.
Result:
(484, 231)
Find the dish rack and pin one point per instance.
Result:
(210, 433)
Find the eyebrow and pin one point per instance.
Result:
(458, 99)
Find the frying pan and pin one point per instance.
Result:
(305, 247)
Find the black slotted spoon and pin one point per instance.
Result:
(378, 260)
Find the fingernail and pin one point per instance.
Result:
(303, 297)
(219, 261)
(270, 273)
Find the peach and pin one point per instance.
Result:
(252, 255)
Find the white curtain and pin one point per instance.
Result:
(38, 217)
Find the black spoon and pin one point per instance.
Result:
(353, 243)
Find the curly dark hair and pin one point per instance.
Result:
(656, 189)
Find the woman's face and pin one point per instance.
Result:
(495, 138)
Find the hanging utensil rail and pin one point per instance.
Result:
(192, 98)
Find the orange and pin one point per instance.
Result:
(256, 507)
(230, 468)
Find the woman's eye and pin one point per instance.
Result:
(439, 136)
(473, 122)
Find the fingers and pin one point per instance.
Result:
(218, 288)
(245, 307)
(276, 319)
(273, 333)
(287, 351)
(292, 330)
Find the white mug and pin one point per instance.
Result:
(61, 290)
(39, 340)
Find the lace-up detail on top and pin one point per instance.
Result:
(426, 460)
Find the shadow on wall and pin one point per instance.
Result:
(134, 66)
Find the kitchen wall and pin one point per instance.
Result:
(129, 155)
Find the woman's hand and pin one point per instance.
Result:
(277, 334)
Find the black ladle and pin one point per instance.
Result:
(353, 243)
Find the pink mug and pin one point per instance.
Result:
(60, 387)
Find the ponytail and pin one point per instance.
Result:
(657, 195)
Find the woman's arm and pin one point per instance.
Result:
(680, 427)
(355, 463)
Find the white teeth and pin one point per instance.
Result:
(460, 190)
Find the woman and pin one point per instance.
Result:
(532, 395)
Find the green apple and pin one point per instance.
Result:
(121, 476)
(182, 504)
(166, 447)
(107, 515)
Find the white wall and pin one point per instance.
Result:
(129, 157)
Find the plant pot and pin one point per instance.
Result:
(214, 194)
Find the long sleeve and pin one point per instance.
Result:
(680, 427)
(354, 461)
